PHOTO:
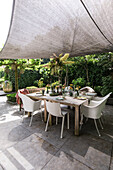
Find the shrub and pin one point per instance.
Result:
(40, 83)
(56, 83)
(28, 78)
(79, 82)
(1, 79)
(31, 87)
(11, 97)
(25, 79)
(88, 84)
(35, 83)
(1, 74)
(107, 87)
(98, 90)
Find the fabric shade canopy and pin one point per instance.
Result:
(40, 28)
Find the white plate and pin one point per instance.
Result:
(81, 98)
(91, 94)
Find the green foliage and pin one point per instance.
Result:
(98, 90)
(31, 87)
(1, 73)
(35, 83)
(1, 79)
(88, 84)
(16, 64)
(11, 97)
(107, 87)
(56, 64)
(79, 82)
(26, 79)
(90, 68)
(45, 74)
(40, 83)
(55, 84)
(93, 67)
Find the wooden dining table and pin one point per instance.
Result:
(69, 101)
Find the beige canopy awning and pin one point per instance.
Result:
(42, 27)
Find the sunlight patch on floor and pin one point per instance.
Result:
(8, 117)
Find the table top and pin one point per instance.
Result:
(70, 101)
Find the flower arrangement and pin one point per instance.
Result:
(40, 83)
(48, 85)
(57, 86)
(63, 87)
(71, 88)
(71, 85)
(77, 88)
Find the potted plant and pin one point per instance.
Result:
(77, 90)
(71, 91)
(7, 86)
(47, 86)
(11, 97)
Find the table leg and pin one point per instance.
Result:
(29, 114)
(19, 107)
(45, 111)
(20, 102)
(50, 120)
(76, 120)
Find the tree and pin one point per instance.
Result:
(21, 64)
(56, 64)
(83, 63)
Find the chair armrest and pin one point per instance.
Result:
(98, 98)
(95, 103)
(93, 112)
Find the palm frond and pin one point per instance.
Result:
(65, 57)
(68, 62)
(45, 65)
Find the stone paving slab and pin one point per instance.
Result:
(91, 151)
(11, 133)
(45, 150)
(34, 150)
(111, 166)
(53, 133)
(63, 161)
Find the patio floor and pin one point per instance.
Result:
(23, 147)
